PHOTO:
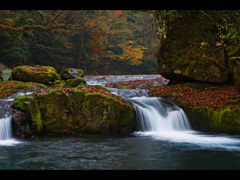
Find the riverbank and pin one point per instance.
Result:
(209, 107)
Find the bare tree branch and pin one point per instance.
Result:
(48, 27)
(57, 15)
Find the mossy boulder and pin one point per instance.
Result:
(54, 107)
(75, 110)
(30, 105)
(39, 74)
(226, 120)
(105, 114)
(191, 51)
(72, 73)
(59, 83)
(75, 82)
(235, 71)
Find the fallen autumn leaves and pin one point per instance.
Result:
(201, 99)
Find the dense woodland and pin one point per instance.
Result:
(104, 41)
(97, 41)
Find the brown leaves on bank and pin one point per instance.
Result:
(201, 99)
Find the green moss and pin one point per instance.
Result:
(76, 98)
(30, 104)
(75, 82)
(40, 74)
(59, 83)
(55, 110)
(223, 121)
(102, 113)
(227, 120)
(52, 106)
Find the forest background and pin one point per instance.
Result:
(97, 41)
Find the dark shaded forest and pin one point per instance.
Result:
(97, 41)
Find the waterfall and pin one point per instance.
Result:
(159, 115)
(161, 119)
(6, 137)
(6, 128)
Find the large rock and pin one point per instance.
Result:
(72, 73)
(73, 110)
(104, 114)
(30, 104)
(75, 82)
(235, 72)
(224, 121)
(191, 50)
(39, 74)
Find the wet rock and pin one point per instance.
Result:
(71, 73)
(20, 125)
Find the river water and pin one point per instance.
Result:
(163, 140)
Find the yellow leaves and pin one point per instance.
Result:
(204, 44)
(69, 45)
(129, 42)
(131, 54)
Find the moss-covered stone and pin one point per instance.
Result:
(225, 120)
(75, 82)
(54, 107)
(59, 83)
(39, 74)
(76, 98)
(191, 52)
(72, 73)
(30, 104)
(63, 109)
(102, 113)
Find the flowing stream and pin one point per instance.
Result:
(161, 119)
(163, 139)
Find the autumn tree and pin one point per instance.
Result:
(95, 40)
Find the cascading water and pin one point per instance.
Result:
(164, 120)
(6, 124)
(6, 137)
(5, 128)
(159, 115)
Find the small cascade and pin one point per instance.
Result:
(159, 115)
(6, 128)
(6, 135)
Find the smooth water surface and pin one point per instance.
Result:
(115, 152)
